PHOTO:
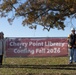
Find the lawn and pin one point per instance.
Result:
(37, 66)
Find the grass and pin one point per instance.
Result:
(37, 66)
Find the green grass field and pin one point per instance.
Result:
(37, 66)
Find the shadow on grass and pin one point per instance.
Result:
(59, 67)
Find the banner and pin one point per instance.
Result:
(36, 47)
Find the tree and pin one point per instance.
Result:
(47, 13)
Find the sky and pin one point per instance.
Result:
(17, 30)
